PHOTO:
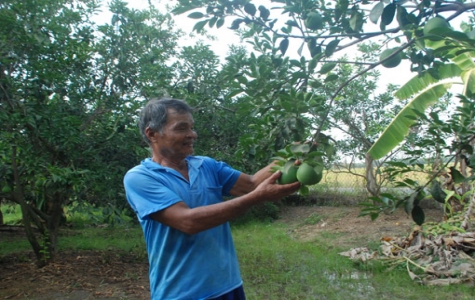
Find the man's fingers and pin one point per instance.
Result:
(294, 185)
(276, 175)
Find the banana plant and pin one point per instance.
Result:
(427, 88)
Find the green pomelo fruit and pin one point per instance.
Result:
(314, 21)
(288, 177)
(289, 173)
(306, 175)
(394, 61)
(435, 24)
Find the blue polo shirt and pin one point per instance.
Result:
(183, 266)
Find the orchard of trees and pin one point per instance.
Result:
(70, 90)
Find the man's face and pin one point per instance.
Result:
(178, 136)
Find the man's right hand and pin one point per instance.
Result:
(270, 190)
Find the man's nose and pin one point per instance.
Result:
(192, 134)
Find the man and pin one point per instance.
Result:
(178, 199)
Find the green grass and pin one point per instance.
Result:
(274, 266)
(123, 238)
(128, 239)
(83, 234)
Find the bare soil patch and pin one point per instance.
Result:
(83, 275)
(75, 275)
(341, 226)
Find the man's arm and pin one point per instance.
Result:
(194, 220)
(247, 183)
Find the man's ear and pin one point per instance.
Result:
(150, 134)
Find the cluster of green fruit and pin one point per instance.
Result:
(303, 162)
(432, 26)
(304, 173)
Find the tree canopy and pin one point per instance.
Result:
(69, 94)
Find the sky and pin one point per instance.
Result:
(225, 36)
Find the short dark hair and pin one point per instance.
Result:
(154, 114)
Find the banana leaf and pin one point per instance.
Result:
(399, 127)
(419, 83)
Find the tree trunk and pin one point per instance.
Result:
(371, 184)
(30, 235)
(1, 214)
(55, 213)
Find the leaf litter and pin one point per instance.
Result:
(442, 259)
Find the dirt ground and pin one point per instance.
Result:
(83, 275)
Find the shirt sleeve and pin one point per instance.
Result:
(227, 176)
(146, 195)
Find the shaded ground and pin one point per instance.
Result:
(77, 275)
(82, 275)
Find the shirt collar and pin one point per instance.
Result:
(192, 161)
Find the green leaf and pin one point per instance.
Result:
(437, 192)
(468, 78)
(182, 9)
(299, 75)
(402, 16)
(471, 161)
(331, 77)
(399, 127)
(235, 24)
(300, 148)
(290, 163)
(356, 21)
(250, 9)
(299, 51)
(462, 59)
(457, 177)
(264, 12)
(376, 12)
(413, 200)
(312, 64)
(220, 23)
(315, 84)
(388, 14)
(327, 68)
(418, 215)
(419, 83)
(410, 202)
(331, 47)
(303, 190)
(212, 21)
(200, 25)
(283, 46)
(196, 15)
(313, 48)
